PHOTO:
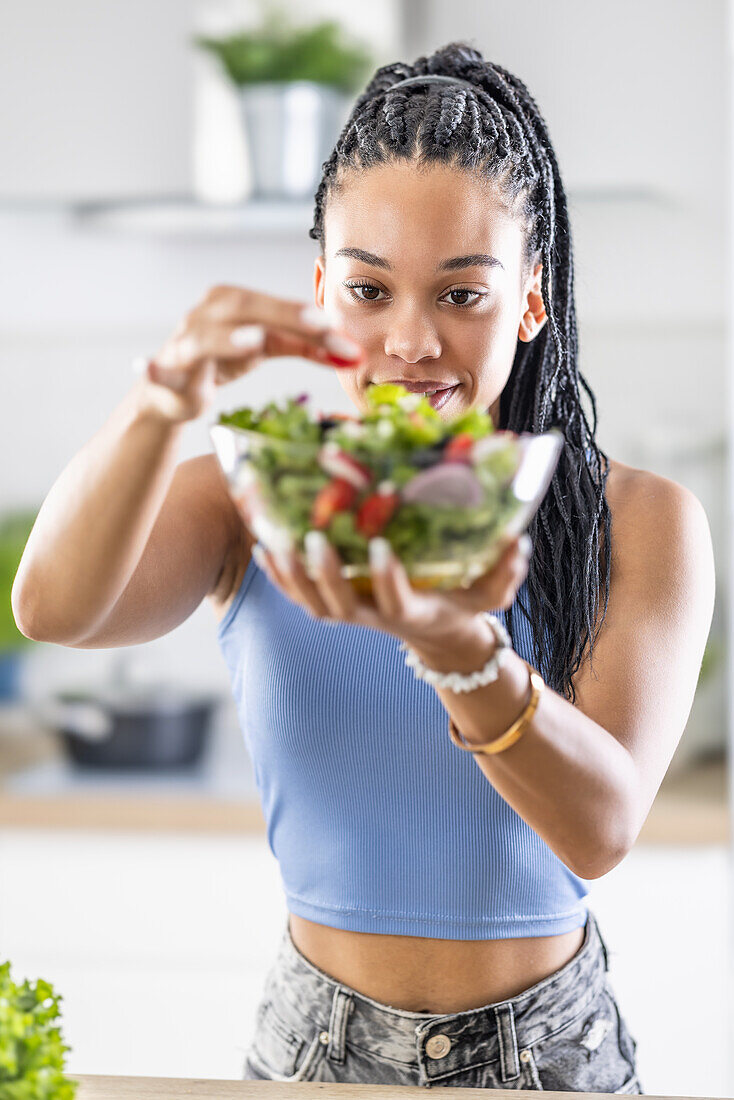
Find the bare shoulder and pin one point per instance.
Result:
(240, 541)
(648, 509)
(662, 560)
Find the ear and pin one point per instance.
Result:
(534, 315)
(319, 281)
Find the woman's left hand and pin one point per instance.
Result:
(417, 616)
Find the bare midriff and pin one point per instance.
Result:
(420, 974)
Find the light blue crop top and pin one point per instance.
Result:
(379, 823)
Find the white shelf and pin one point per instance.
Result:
(189, 218)
(186, 217)
(182, 216)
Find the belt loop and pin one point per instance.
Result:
(509, 1061)
(604, 948)
(341, 1006)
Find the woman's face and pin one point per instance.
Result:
(439, 295)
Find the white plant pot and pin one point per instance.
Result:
(291, 129)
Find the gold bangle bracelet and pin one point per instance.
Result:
(516, 730)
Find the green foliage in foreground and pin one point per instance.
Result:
(31, 1047)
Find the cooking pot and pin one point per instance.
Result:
(140, 726)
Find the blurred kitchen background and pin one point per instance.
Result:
(136, 174)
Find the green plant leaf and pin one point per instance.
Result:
(31, 1046)
(278, 51)
(712, 655)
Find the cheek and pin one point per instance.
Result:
(492, 342)
(348, 381)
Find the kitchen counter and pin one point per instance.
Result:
(39, 786)
(172, 1088)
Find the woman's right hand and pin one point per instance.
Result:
(228, 334)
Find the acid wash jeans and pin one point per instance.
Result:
(563, 1034)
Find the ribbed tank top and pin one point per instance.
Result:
(379, 823)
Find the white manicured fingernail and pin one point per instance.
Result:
(259, 555)
(316, 545)
(342, 346)
(525, 544)
(283, 560)
(380, 553)
(315, 317)
(247, 336)
(139, 364)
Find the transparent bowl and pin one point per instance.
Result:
(274, 484)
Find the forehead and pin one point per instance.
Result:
(436, 211)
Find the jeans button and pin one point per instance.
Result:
(437, 1046)
(324, 1037)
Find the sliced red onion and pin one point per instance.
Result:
(449, 483)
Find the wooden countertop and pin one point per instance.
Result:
(173, 1088)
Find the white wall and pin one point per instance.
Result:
(633, 93)
(96, 98)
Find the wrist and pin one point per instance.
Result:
(465, 648)
(156, 404)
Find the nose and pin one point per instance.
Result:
(412, 337)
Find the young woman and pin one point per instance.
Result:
(437, 931)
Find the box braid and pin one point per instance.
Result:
(495, 129)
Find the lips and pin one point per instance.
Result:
(438, 400)
(437, 393)
(421, 385)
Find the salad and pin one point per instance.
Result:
(441, 492)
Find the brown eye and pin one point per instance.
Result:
(370, 295)
(475, 295)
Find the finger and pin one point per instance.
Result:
(303, 588)
(394, 595)
(237, 349)
(209, 341)
(265, 560)
(519, 572)
(501, 581)
(332, 350)
(334, 589)
(243, 306)
(229, 304)
(277, 570)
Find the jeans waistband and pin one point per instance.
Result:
(307, 995)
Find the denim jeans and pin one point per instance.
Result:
(563, 1034)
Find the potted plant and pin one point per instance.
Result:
(294, 83)
(15, 527)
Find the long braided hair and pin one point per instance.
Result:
(496, 130)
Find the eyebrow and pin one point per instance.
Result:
(476, 259)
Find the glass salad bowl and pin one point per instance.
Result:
(448, 495)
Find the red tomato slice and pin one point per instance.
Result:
(459, 448)
(375, 512)
(337, 496)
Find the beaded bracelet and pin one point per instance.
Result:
(458, 681)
